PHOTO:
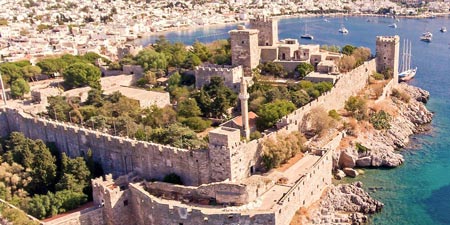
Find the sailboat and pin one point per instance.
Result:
(406, 72)
(306, 35)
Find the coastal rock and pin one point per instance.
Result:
(347, 160)
(364, 161)
(350, 172)
(339, 174)
(343, 204)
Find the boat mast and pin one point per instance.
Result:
(409, 55)
(404, 56)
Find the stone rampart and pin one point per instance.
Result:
(306, 190)
(91, 216)
(117, 155)
(150, 210)
(4, 125)
(229, 193)
(387, 90)
(348, 85)
(231, 75)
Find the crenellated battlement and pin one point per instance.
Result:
(221, 69)
(393, 39)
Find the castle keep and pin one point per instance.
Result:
(221, 186)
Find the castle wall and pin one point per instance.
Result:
(91, 216)
(306, 190)
(231, 76)
(288, 65)
(269, 54)
(349, 84)
(117, 155)
(4, 125)
(149, 210)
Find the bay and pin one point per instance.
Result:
(417, 192)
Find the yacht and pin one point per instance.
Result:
(443, 29)
(427, 37)
(343, 30)
(406, 72)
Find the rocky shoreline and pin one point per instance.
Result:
(349, 203)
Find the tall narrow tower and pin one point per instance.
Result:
(244, 48)
(388, 50)
(244, 96)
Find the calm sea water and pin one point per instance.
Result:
(417, 192)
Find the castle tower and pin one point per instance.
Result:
(244, 48)
(268, 30)
(387, 50)
(244, 96)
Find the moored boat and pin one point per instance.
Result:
(394, 25)
(427, 37)
(343, 30)
(407, 73)
(443, 29)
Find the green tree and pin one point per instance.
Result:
(82, 74)
(348, 49)
(201, 51)
(188, 108)
(178, 55)
(30, 72)
(58, 108)
(273, 69)
(50, 66)
(156, 117)
(77, 168)
(304, 69)
(95, 98)
(221, 98)
(19, 88)
(270, 113)
(43, 169)
(151, 59)
(19, 149)
(191, 61)
(178, 136)
(197, 124)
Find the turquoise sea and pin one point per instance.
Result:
(417, 192)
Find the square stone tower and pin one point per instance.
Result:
(268, 30)
(388, 50)
(244, 48)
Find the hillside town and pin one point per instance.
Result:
(33, 29)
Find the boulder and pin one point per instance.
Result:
(339, 174)
(347, 160)
(364, 161)
(350, 172)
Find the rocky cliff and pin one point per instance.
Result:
(341, 204)
(349, 203)
(409, 115)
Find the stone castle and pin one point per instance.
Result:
(222, 183)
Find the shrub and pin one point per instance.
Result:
(173, 178)
(401, 95)
(378, 76)
(380, 120)
(278, 151)
(255, 135)
(357, 107)
(196, 123)
(304, 69)
(361, 148)
(334, 114)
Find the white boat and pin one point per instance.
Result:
(343, 30)
(443, 29)
(427, 37)
(407, 73)
(394, 25)
(326, 20)
(307, 35)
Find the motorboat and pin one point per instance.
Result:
(343, 30)
(394, 25)
(426, 37)
(443, 29)
(306, 35)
